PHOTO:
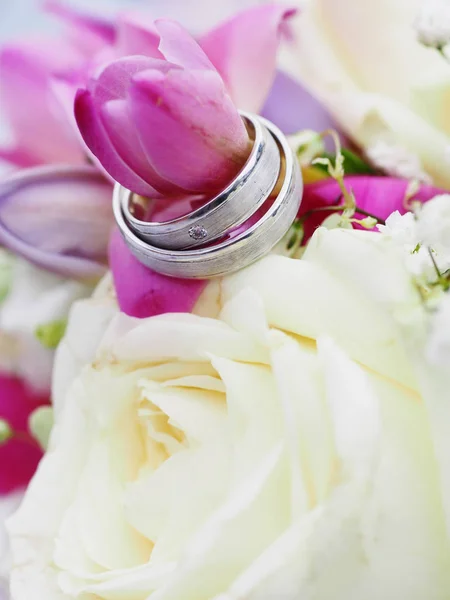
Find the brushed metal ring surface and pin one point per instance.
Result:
(229, 209)
(233, 253)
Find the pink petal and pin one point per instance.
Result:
(292, 108)
(41, 131)
(137, 35)
(143, 293)
(58, 218)
(109, 91)
(99, 143)
(244, 49)
(380, 196)
(17, 156)
(190, 130)
(18, 458)
(179, 47)
(125, 138)
(102, 28)
(115, 78)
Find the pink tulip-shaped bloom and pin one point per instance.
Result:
(164, 125)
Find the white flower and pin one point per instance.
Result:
(33, 297)
(424, 238)
(396, 161)
(434, 225)
(281, 449)
(438, 350)
(364, 63)
(433, 23)
(401, 229)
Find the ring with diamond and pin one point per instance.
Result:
(235, 252)
(230, 208)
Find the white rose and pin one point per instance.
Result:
(281, 448)
(365, 63)
(8, 504)
(438, 348)
(31, 298)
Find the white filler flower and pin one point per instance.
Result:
(433, 23)
(433, 225)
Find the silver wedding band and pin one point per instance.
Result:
(232, 207)
(233, 252)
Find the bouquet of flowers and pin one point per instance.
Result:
(225, 304)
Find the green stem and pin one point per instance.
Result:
(360, 211)
(436, 268)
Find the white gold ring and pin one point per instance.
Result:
(233, 253)
(232, 207)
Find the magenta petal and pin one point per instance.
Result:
(191, 132)
(18, 458)
(380, 196)
(292, 108)
(244, 51)
(125, 138)
(144, 293)
(99, 143)
(58, 218)
(179, 47)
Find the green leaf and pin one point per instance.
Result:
(5, 274)
(353, 164)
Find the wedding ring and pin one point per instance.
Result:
(232, 207)
(233, 253)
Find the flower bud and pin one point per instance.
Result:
(6, 432)
(40, 424)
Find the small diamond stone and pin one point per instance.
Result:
(197, 232)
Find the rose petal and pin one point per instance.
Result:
(18, 458)
(143, 293)
(58, 218)
(244, 51)
(292, 108)
(187, 139)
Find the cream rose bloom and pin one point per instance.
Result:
(281, 443)
(365, 63)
